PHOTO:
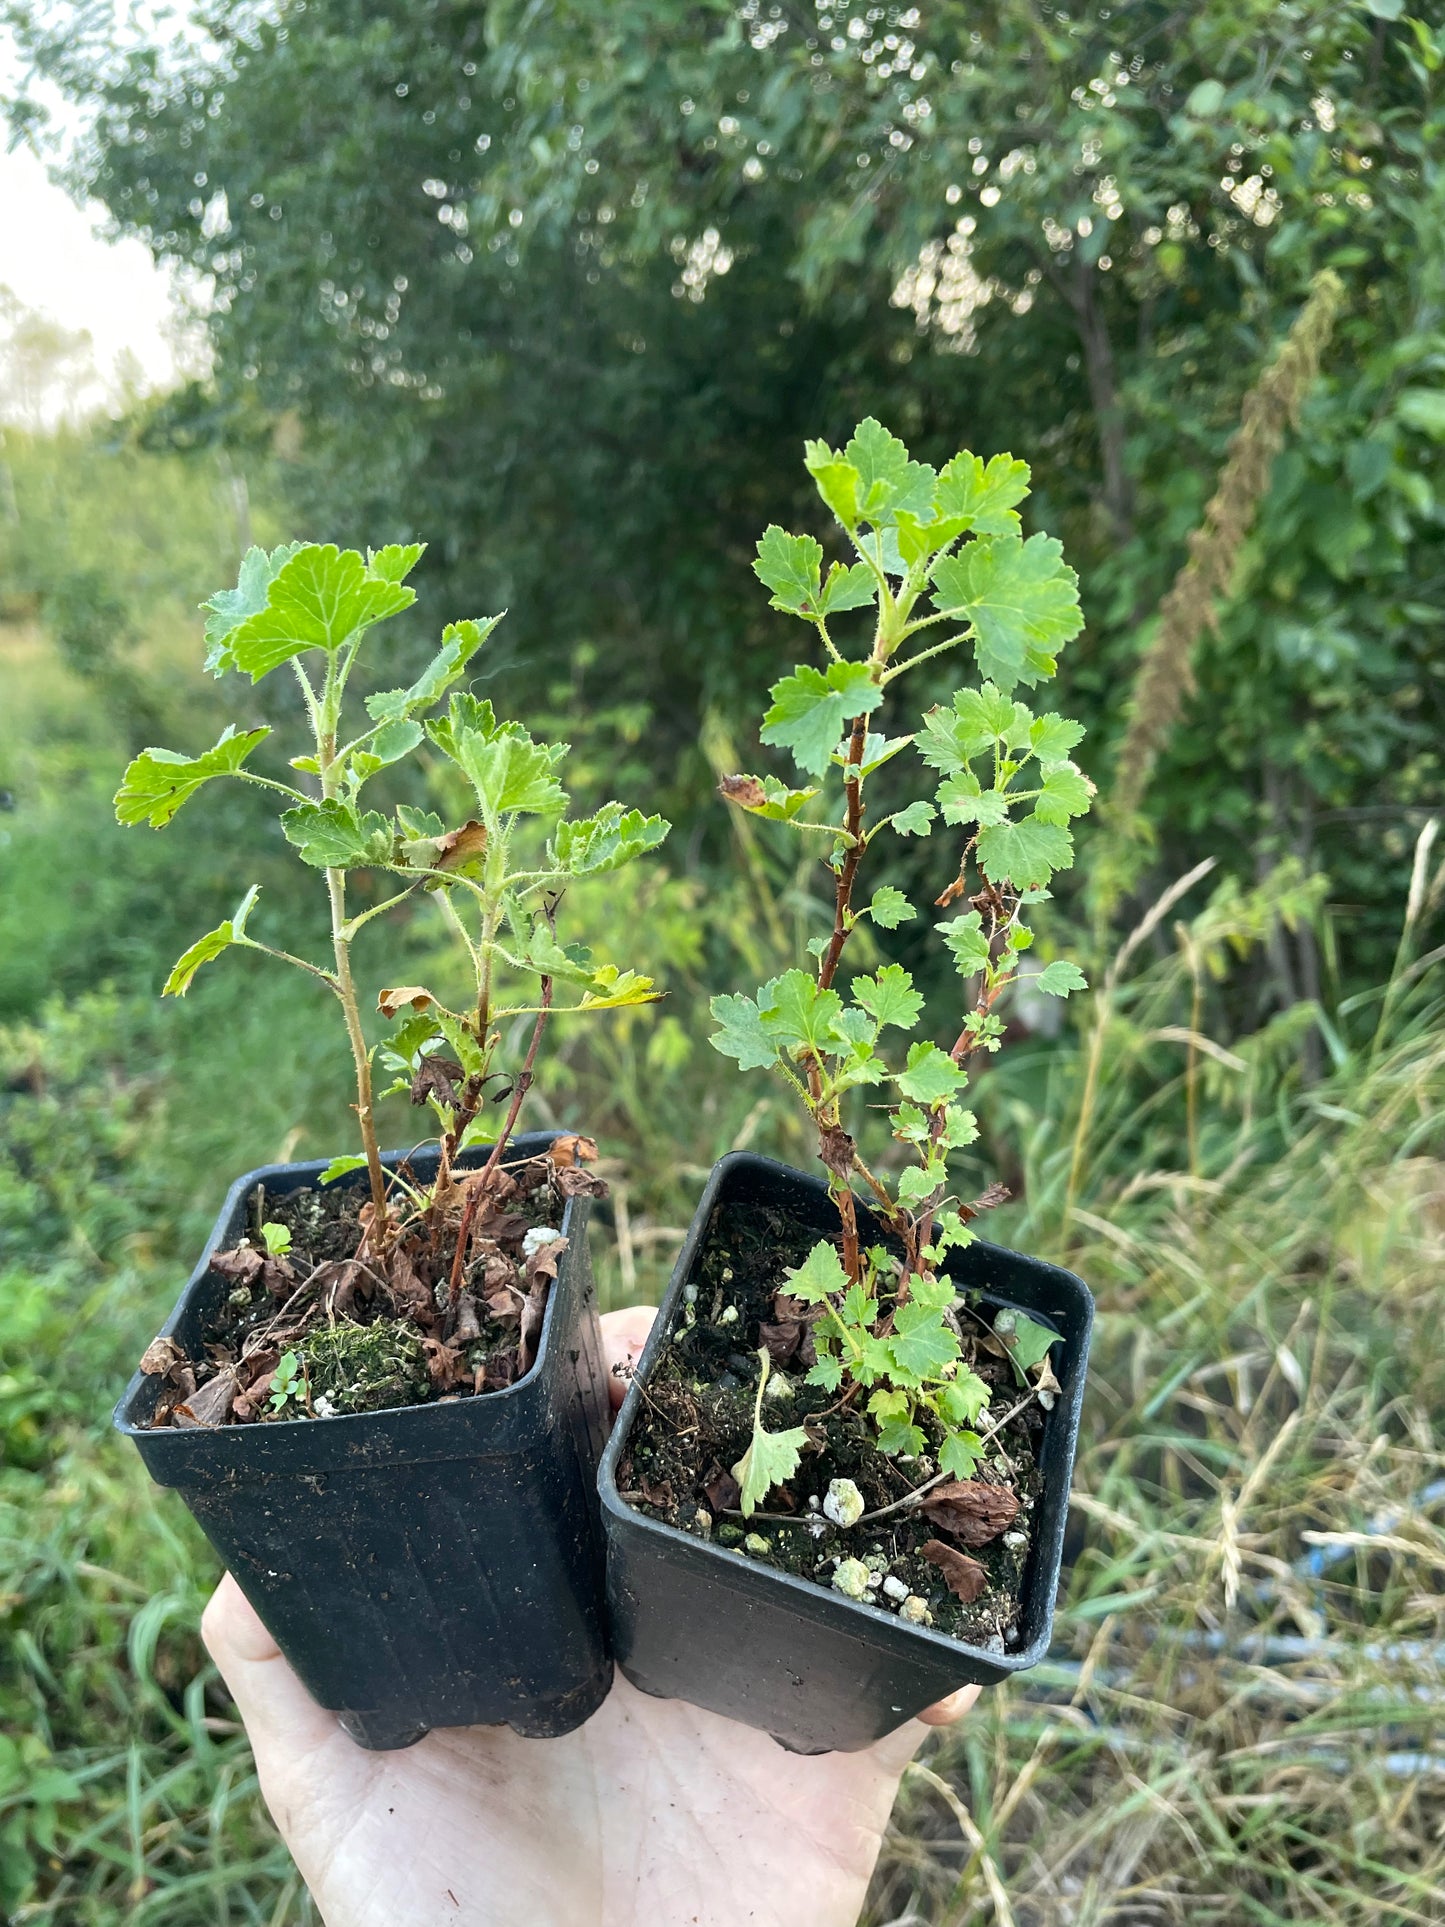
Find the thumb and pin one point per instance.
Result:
(896, 1749)
(276, 1709)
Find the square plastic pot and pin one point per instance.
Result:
(434, 1565)
(698, 1622)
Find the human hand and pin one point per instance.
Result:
(652, 1814)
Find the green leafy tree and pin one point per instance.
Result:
(312, 606)
(662, 227)
(942, 565)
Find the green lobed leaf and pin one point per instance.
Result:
(962, 799)
(915, 820)
(819, 1277)
(395, 562)
(1021, 599)
(790, 565)
(837, 481)
(1026, 1341)
(921, 1344)
(339, 1167)
(740, 1033)
(983, 497)
(510, 772)
(771, 1458)
(228, 608)
(1051, 737)
(1059, 978)
(889, 997)
(460, 642)
(606, 840)
(318, 599)
(888, 480)
(959, 1454)
(1025, 854)
(1066, 792)
(890, 907)
(810, 708)
(158, 781)
(799, 1015)
(849, 587)
(206, 949)
(965, 939)
(930, 1076)
(919, 1181)
(334, 835)
(963, 1397)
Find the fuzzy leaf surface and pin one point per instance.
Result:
(158, 781)
(335, 836)
(1060, 977)
(460, 642)
(318, 599)
(206, 949)
(607, 840)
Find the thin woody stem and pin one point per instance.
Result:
(847, 874)
(474, 1191)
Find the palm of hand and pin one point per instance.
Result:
(654, 1813)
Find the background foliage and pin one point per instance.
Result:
(563, 290)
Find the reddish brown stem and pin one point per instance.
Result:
(476, 1189)
(853, 823)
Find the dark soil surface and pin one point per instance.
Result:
(343, 1322)
(696, 1423)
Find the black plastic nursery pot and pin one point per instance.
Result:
(431, 1565)
(695, 1621)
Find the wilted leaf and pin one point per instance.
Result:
(769, 1459)
(457, 849)
(405, 997)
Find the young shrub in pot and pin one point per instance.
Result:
(837, 1490)
(381, 1392)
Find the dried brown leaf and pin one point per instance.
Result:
(242, 1264)
(722, 1490)
(436, 1077)
(964, 1577)
(445, 1365)
(160, 1355)
(746, 791)
(210, 1404)
(460, 847)
(571, 1149)
(970, 1510)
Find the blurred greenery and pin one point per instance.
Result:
(737, 226)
